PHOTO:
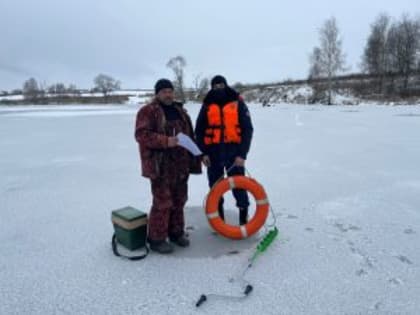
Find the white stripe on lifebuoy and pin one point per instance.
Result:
(231, 183)
(213, 215)
(244, 231)
(262, 202)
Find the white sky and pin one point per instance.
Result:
(248, 41)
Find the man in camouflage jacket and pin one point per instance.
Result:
(167, 165)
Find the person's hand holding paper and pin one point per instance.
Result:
(187, 143)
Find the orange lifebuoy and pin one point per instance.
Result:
(232, 231)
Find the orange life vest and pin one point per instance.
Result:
(223, 122)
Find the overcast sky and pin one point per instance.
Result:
(248, 41)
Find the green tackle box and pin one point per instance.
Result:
(130, 227)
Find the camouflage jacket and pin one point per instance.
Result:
(152, 135)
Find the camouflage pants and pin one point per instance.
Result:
(167, 214)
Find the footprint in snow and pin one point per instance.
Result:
(404, 259)
(367, 261)
(395, 281)
(378, 306)
(361, 272)
(343, 228)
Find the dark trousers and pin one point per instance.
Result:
(216, 171)
(167, 214)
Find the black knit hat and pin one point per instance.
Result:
(217, 80)
(163, 84)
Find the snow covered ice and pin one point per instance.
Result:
(343, 181)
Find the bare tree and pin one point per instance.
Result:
(239, 87)
(402, 48)
(328, 59)
(106, 84)
(42, 86)
(58, 88)
(418, 62)
(418, 43)
(201, 86)
(316, 70)
(52, 89)
(409, 31)
(31, 89)
(374, 60)
(177, 65)
(72, 89)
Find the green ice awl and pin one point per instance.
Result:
(265, 243)
(267, 240)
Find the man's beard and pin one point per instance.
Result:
(167, 101)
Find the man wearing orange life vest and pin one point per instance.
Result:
(224, 133)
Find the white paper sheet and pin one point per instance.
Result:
(187, 143)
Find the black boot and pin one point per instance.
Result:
(161, 247)
(181, 241)
(243, 216)
(221, 210)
